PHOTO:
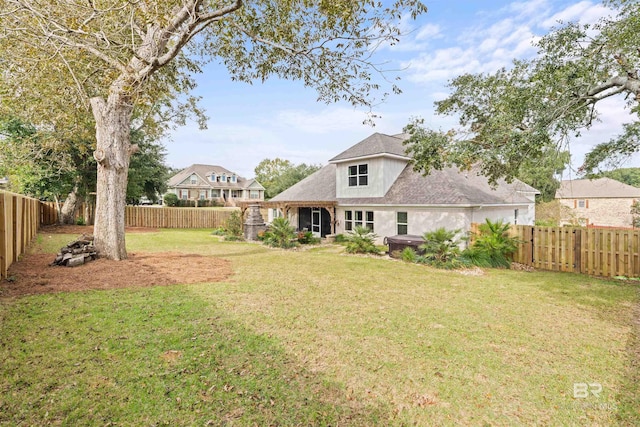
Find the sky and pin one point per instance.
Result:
(249, 123)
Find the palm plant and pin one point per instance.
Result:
(281, 234)
(362, 241)
(493, 245)
(441, 245)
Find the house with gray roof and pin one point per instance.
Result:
(602, 202)
(209, 182)
(373, 184)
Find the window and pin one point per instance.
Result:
(277, 213)
(212, 178)
(194, 179)
(348, 220)
(254, 194)
(235, 194)
(402, 222)
(184, 194)
(215, 193)
(223, 178)
(582, 204)
(358, 175)
(233, 178)
(203, 194)
(353, 219)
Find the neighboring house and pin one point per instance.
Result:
(208, 182)
(4, 183)
(373, 184)
(598, 202)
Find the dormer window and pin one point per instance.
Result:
(358, 175)
(223, 178)
(194, 179)
(212, 177)
(233, 178)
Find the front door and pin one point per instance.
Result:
(316, 222)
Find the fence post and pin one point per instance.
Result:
(577, 250)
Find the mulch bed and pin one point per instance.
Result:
(33, 274)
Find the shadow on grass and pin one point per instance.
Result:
(629, 396)
(158, 356)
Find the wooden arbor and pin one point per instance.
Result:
(286, 207)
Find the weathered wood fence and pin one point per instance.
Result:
(595, 251)
(49, 213)
(19, 222)
(162, 217)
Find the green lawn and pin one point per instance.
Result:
(317, 337)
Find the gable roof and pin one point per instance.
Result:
(596, 189)
(375, 145)
(202, 171)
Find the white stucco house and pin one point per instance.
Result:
(373, 184)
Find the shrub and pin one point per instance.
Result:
(409, 255)
(220, 231)
(441, 245)
(307, 238)
(170, 200)
(80, 221)
(361, 241)
(340, 238)
(492, 246)
(233, 226)
(281, 234)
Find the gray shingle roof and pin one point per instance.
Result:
(205, 170)
(375, 144)
(595, 189)
(320, 186)
(448, 187)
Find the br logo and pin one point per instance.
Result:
(583, 390)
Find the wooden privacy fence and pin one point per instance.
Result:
(19, 222)
(595, 251)
(49, 213)
(162, 217)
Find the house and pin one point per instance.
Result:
(4, 182)
(373, 184)
(597, 202)
(209, 182)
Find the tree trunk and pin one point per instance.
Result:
(67, 215)
(113, 151)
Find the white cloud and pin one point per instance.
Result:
(324, 121)
(585, 12)
(429, 32)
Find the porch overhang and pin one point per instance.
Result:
(286, 206)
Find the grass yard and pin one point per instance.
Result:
(317, 337)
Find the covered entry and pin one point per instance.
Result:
(316, 220)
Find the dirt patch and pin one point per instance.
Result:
(33, 274)
(86, 229)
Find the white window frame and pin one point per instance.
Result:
(193, 179)
(203, 194)
(352, 219)
(184, 194)
(223, 178)
(254, 194)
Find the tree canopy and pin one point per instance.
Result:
(127, 61)
(276, 175)
(536, 106)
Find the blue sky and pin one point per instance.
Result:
(248, 123)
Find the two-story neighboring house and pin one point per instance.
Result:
(209, 182)
(373, 184)
(597, 202)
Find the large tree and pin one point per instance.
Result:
(523, 113)
(111, 55)
(276, 175)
